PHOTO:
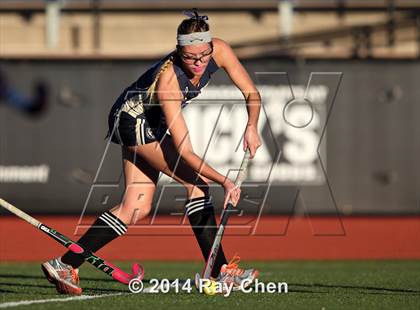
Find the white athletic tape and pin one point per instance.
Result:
(19, 213)
(217, 240)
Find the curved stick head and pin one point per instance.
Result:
(137, 271)
(125, 278)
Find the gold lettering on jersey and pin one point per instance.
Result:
(133, 106)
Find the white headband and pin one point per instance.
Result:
(194, 38)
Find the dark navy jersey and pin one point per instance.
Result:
(135, 100)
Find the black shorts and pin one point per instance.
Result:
(129, 124)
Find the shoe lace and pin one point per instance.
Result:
(74, 276)
(232, 267)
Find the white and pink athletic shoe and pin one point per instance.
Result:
(65, 277)
(233, 275)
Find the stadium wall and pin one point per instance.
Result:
(366, 161)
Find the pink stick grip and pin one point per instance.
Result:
(76, 248)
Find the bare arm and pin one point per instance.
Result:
(226, 58)
(170, 98)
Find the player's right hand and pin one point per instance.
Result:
(232, 193)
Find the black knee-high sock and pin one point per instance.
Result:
(106, 228)
(200, 213)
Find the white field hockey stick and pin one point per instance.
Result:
(225, 216)
(104, 266)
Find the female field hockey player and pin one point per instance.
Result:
(146, 120)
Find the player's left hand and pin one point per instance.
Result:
(251, 140)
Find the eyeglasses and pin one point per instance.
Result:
(190, 59)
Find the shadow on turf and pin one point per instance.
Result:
(35, 277)
(6, 291)
(291, 288)
(21, 276)
(318, 285)
(90, 289)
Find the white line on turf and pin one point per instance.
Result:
(41, 301)
(146, 290)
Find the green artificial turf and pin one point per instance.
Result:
(311, 285)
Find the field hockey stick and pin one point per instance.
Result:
(104, 266)
(225, 216)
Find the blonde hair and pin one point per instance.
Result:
(151, 93)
